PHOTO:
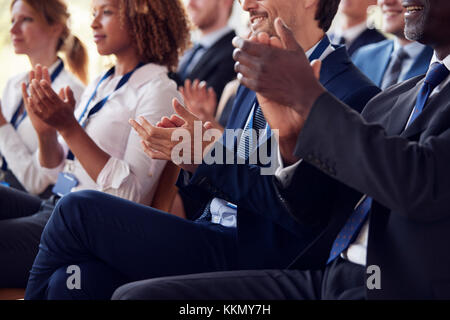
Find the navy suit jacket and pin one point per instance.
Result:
(268, 237)
(374, 59)
(216, 66)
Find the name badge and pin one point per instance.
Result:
(5, 184)
(64, 184)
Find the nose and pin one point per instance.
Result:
(14, 28)
(248, 5)
(95, 24)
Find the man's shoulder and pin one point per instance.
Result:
(369, 50)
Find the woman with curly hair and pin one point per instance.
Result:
(97, 148)
(39, 30)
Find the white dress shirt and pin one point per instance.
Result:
(18, 146)
(129, 173)
(357, 251)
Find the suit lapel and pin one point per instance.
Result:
(420, 66)
(440, 101)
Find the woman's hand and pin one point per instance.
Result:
(199, 99)
(53, 110)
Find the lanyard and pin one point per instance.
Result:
(83, 119)
(15, 121)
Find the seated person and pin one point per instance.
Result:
(97, 150)
(33, 33)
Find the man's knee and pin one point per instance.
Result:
(152, 289)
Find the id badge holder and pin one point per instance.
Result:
(64, 184)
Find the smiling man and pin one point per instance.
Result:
(391, 61)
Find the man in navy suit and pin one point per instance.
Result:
(352, 30)
(392, 61)
(114, 241)
(387, 199)
(211, 57)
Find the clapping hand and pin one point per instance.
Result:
(46, 108)
(199, 99)
(276, 68)
(158, 142)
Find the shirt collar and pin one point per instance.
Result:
(446, 61)
(324, 54)
(413, 49)
(54, 66)
(210, 39)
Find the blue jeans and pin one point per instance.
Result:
(114, 241)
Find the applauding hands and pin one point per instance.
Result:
(48, 111)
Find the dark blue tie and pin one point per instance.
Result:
(184, 68)
(436, 74)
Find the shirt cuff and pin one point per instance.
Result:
(113, 174)
(284, 175)
(50, 172)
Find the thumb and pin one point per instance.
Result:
(182, 111)
(62, 94)
(286, 35)
(316, 66)
(69, 97)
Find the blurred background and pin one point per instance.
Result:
(11, 64)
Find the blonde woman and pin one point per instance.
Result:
(39, 30)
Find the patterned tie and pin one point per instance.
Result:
(395, 68)
(436, 74)
(183, 71)
(258, 123)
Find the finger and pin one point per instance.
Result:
(244, 70)
(248, 82)
(52, 98)
(208, 125)
(24, 92)
(263, 38)
(138, 128)
(195, 85)
(154, 154)
(182, 111)
(276, 42)
(46, 75)
(166, 123)
(177, 121)
(212, 96)
(62, 94)
(70, 99)
(316, 66)
(32, 76)
(245, 59)
(285, 34)
(252, 48)
(38, 72)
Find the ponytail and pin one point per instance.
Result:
(76, 57)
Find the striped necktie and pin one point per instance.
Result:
(250, 136)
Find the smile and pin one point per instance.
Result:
(411, 9)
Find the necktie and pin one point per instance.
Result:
(342, 41)
(436, 74)
(183, 72)
(258, 123)
(248, 141)
(395, 68)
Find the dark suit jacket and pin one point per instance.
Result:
(368, 36)
(407, 174)
(216, 66)
(374, 59)
(268, 237)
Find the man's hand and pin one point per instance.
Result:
(157, 140)
(281, 98)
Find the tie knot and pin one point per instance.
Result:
(401, 54)
(436, 74)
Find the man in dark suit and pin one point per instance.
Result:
(392, 61)
(224, 235)
(211, 57)
(394, 244)
(352, 30)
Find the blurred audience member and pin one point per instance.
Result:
(392, 61)
(39, 30)
(210, 59)
(352, 30)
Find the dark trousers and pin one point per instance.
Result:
(22, 220)
(341, 280)
(112, 241)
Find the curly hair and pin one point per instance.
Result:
(160, 29)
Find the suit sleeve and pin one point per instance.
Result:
(410, 178)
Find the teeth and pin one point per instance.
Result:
(414, 8)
